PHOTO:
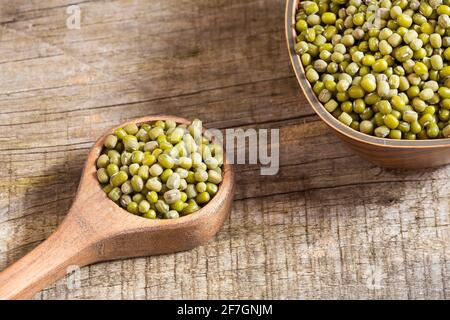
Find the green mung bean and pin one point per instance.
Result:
(102, 175)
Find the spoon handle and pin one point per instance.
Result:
(70, 245)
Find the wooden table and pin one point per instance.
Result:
(329, 225)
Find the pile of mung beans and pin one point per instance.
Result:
(379, 67)
(160, 170)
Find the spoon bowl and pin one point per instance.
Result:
(96, 229)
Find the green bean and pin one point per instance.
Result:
(142, 135)
(127, 188)
(166, 161)
(137, 183)
(112, 169)
(152, 197)
(200, 187)
(144, 206)
(130, 142)
(162, 207)
(131, 129)
(201, 175)
(150, 214)
(382, 131)
(203, 198)
(153, 184)
(102, 175)
(115, 194)
(133, 207)
(214, 177)
(118, 179)
(391, 121)
(143, 172)
(166, 175)
(212, 189)
(191, 191)
(111, 141)
(173, 182)
(446, 131)
(191, 207)
(125, 200)
(103, 161)
(172, 196)
(107, 188)
(172, 214)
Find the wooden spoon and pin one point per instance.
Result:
(96, 229)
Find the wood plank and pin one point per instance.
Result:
(301, 245)
(374, 221)
(214, 57)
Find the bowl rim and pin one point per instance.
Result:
(316, 105)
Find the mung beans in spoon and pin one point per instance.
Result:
(161, 169)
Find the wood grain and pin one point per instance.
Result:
(326, 226)
(96, 229)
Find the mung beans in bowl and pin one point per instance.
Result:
(378, 74)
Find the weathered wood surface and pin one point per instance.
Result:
(329, 225)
